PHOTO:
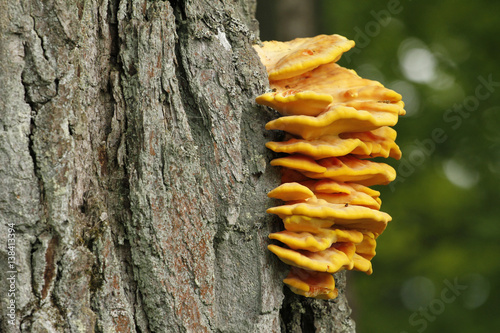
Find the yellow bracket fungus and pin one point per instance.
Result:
(328, 186)
(344, 193)
(326, 146)
(291, 191)
(350, 169)
(300, 223)
(319, 241)
(337, 257)
(362, 264)
(299, 162)
(322, 209)
(340, 83)
(311, 284)
(354, 198)
(288, 59)
(312, 224)
(290, 102)
(365, 144)
(335, 121)
(366, 248)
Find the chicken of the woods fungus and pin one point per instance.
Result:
(334, 122)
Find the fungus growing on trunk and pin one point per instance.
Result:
(311, 284)
(317, 241)
(291, 191)
(335, 121)
(284, 60)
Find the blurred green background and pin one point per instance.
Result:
(437, 267)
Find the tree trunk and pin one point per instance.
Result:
(133, 173)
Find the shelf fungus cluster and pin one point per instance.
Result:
(335, 121)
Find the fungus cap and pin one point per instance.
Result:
(354, 198)
(341, 83)
(366, 144)
(337, 257)
(328, 186)
(362, 264)
(335, 120)
(312, 224)
(310, 103)
(294, 103)
(341, 214)
(366, 248)
(372, 106)
(300, 223)
(318, 241)
(287, 59)
(291, 191)
(344, 193)
(381, 142)
(323, 147)
(311, 284)
(351, 169)
(365, 189)
(298, 162)
(332, 186)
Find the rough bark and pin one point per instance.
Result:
(134, 175)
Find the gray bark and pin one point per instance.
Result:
(133, 172)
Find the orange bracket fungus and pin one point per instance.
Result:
(334, 121)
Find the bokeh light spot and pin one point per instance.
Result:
(417, 292)
(477, 292)
(417, 63)
(458, 175)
